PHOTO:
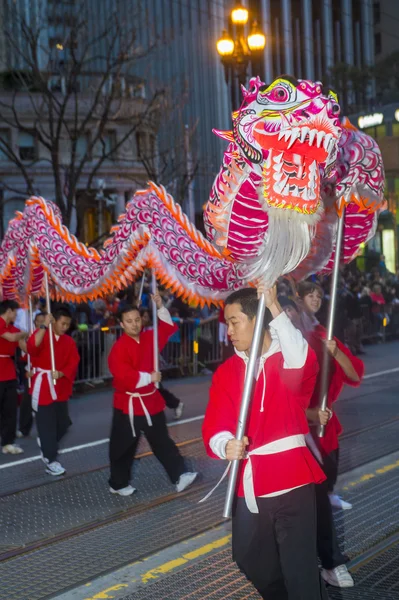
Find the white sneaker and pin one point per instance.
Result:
(54, 468)
(126, 491)
(20, 434)
(338, 577)
(185, 480)
(338, 502)
(206, 371)
(179, 410)
(12, 449)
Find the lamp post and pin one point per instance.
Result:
(236, 49)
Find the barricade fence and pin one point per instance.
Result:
(195, 346)
(191, 350)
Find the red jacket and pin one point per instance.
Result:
(7, 352)
(281, 395)
(66, 360)
(337, 379)
(128, 359)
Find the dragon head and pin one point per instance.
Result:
(288, 132)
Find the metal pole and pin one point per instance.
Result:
(331, 316)
(50, 327)
(30, 329)
(245, 402)
(155, 325)
(141, 290)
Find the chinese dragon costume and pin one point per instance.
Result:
(290, 169)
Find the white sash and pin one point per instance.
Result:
(38, 384)
(282, 445)
(145, 410)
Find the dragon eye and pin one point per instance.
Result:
(280, 93)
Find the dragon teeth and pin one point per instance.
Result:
(295, 190)
(277, 167)
(294, 136)
(279, 186)
(304, 132)
(326, 141)
(286, 190)
(319, 137)
(312, 135)
(278, 157)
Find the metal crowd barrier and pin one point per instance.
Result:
(189, 351)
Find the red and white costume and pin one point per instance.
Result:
(337, 379)
(67, 358)
(7, 352)
(278, 457)
(131, 363)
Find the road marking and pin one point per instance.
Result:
(24, 461)
(174, 424)
(368, 476)
(165, 568)
(371, 375)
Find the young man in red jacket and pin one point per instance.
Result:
(274, 517)
(49, 400)
(138, 404)
(10, 339)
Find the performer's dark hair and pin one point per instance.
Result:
(308, 287)
(8, 305)
(40, 314)
(62, 311)
(248, 299)
(285, 301)
(126, 309)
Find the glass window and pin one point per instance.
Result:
(82, 146)
(26, 146)
(9, 209)
(376, 12)
(106, 145)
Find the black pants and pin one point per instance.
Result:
(330, 468)
(327, 543)
(25, 420)
(52, 423)
(171, 400)
(8, 411)
(276, 548)
(123, 446)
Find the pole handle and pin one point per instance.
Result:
(50, 327)
(155, 325)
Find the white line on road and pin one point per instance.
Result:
(371, 375)
(88, 445)
(182, 422)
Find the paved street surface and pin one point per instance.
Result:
(71, 539)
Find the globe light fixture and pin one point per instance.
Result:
(256, 39)
(225, 45)
(239, 15)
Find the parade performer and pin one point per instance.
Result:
(344, 369)
(138, 404)
(49, 399)
(25, 418)
(332, 560)
(171, 400)
(10, 339)
(274, 518)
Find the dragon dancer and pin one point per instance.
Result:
(274, 515)
(138, 404)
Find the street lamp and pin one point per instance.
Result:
(236, 50)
